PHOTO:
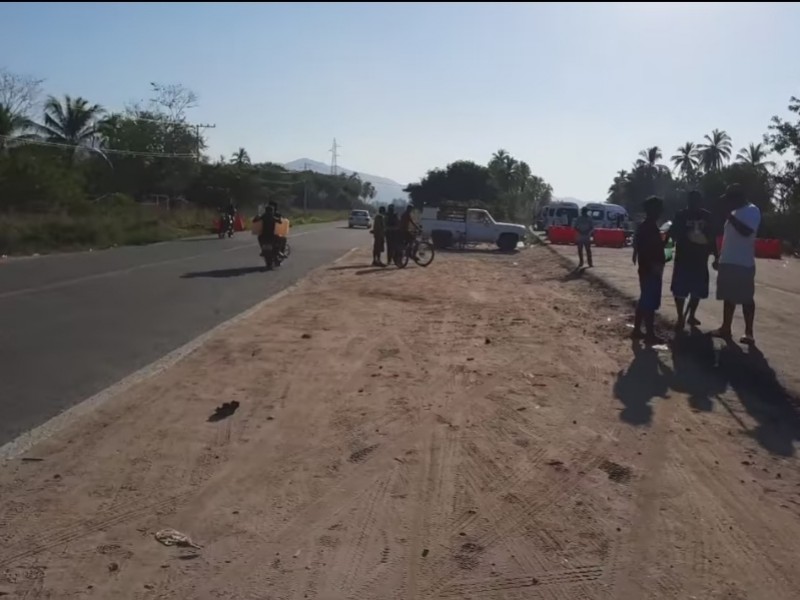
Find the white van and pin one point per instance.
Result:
(608, 216)
(556, 214)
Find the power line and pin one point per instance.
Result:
(145, 154)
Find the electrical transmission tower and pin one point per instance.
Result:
(334, 157)
(197, 129)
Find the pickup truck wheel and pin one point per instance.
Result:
(508, 242)
(441, 239)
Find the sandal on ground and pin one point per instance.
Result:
(748, 340)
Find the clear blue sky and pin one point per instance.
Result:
(575, 89)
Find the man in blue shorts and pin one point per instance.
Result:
(693, 234)
(648, 252)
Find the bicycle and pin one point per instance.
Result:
(419, 250)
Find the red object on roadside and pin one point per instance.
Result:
(764, 248)
(768, 248)
(561, 235)
(609, 238)
(238, 223)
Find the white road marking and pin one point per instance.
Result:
(26, 441)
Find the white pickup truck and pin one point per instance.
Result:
(450, 227)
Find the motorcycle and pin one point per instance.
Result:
(225, 226)
(274, 252)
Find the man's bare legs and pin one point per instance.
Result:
(728, 309)
(680, 305)
(749, 311)
(693, 304)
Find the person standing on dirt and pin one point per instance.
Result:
(392, 231)
(584, 226)
(736, 276)
(693, 233)
(648, 253)
(378, 237)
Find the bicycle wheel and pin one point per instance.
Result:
(401, 258)
(424, 254)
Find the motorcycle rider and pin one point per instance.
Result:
(278, 217)
(267, 235)
(227, 216)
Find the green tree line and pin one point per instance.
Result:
(710, 165)
(505, 186)
(66, 162)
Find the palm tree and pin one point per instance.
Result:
(649, 157)
(502, 167)
(240, 158)
(716, 151)
(11, 125)
(521, 174)
(754, 155)
(687, 160)
(74, 122)
(616, 191)
(648, 164)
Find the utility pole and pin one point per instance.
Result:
(197, 129)
(305, 187)
(334, 157)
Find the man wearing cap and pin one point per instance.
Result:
(737, 263)
(692, 232)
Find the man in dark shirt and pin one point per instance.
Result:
(392, 233)
(648, 251)
(379, 237)
(692, 232)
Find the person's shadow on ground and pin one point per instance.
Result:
(704, 372)
(646, 378)
(774, 408)
(694, 361)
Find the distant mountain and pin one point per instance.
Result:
(386, 189)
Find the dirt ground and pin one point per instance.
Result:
(777, 325)
(481, 428)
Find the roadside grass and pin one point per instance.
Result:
(317, 216)
(109, 226)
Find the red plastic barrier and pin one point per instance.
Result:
(768, 248)
(238, 223)
(561, 235)
(609, 238)
(764, 248)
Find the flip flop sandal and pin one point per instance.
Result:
(746, 339)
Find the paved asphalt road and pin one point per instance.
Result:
(73, 324)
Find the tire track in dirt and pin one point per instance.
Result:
(732, 523)
(512, 521)
(44, 541)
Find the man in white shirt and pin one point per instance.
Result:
(737, 263)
